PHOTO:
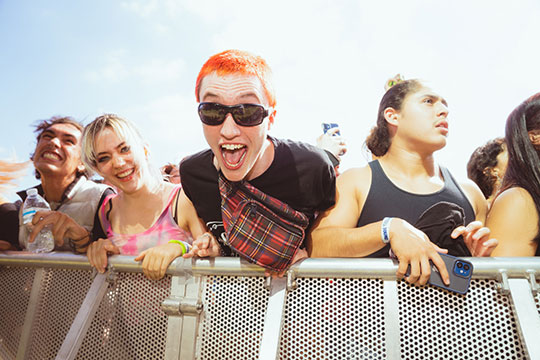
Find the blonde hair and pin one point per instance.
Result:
(129, 133)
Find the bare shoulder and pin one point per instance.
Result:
(167, 188)
(355, 184)
(475, 197)
(515, 198)
(513, 220)
(471, 189)
(357, 177)
(187, 216)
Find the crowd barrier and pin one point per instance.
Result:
(55, 306)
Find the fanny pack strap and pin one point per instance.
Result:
(270, 243)
(282, 209)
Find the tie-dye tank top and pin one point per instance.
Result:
(163, 230)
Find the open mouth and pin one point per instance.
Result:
(233, 155)
(126, 174)
(51, 156)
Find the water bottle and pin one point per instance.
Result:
(44, 241)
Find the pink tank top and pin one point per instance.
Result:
(163, 230)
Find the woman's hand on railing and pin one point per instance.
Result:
(205, 245)
(412, 246)
(476, 237)
(156, 260)
(98, 251)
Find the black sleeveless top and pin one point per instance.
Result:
(386, 199)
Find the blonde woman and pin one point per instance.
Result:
(140, 219)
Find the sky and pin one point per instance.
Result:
(330, 59)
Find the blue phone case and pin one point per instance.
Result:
(459, 270)
(328, 126)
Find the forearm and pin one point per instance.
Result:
(346, 242)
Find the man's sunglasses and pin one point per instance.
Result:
(243, 114)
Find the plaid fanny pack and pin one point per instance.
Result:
(260, 228)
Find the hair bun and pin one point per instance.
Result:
(393, 81)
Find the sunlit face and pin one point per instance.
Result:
(58, 151)
(239, 150)
(114, 161)
(423, 119)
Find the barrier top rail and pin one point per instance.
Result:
(489, 268)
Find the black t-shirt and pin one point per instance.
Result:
(9, 223)
(300, 175)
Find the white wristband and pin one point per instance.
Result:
(385, 230)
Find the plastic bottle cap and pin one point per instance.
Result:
(31, 191)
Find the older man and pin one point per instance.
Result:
(237, 109)
(73, 198)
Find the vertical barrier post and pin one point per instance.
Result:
(273, 319)
(183, 308)
(526, 315)
(24, 342)
(391, 320)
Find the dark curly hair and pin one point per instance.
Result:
(483, 159)
(378, 141)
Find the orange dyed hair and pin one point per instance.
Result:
(10, 171)
(238, 62)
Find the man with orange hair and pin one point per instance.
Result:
(285, 183)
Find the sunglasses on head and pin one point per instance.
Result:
(243, 114)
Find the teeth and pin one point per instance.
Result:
(232, 146)
(125, 173)
(51, 156)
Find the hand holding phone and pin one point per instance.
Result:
(328, 126)
(460, 272)
(335, 143)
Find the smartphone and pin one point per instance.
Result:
(328, 126)
(459, 270)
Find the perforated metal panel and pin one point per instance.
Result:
(129, 323)
(233, 317)
(62, 294)
(15, 289)
(334, 319)
(436, 324)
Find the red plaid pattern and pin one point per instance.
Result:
(260, 228)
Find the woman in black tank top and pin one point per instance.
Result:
(377, 205)
(514, 216)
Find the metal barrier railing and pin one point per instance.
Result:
(56, 306)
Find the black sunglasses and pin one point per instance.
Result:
(243, 114)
